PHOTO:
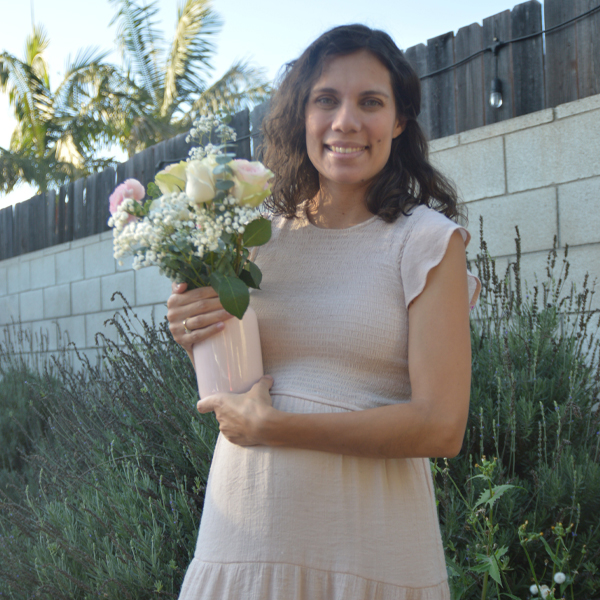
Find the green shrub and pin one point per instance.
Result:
(122, 470)
(534, 395)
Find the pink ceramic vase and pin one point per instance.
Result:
(230, 361)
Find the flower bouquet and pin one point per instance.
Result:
(197, 226)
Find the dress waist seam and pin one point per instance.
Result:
(326, 571)
(334, 404)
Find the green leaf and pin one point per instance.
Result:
(215, 280)
(257, 232)
(223, 159)
(224, 266)
(221, 169)
(498, 490)
(153, 191)
(234, 296)
(251, 275)
(224, 184)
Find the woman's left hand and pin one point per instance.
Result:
(241, 416)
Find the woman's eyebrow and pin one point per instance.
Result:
(329, 90)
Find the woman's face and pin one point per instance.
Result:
(351, 120)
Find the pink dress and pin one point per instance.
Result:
(288, 524)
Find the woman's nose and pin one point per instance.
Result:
(346, 118)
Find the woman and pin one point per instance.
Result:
(320, 486)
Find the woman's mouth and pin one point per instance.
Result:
(344, 149)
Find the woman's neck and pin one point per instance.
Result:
(338, 209)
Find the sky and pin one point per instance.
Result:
(267, 32)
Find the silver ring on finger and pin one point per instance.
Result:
(185, 327)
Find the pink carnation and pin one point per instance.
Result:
(130, 188)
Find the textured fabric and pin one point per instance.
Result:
(288, 524)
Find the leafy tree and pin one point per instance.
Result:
(167, 84)
(58, 131)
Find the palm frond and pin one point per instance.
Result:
(242, 86)
(141, 44)
(191, 50)
(35, 47)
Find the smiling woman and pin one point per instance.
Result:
(320, 486)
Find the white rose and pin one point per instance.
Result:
(251, 181)
(200, 184)
(172, 179)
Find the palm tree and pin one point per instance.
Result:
(168, 85)
(58, 132)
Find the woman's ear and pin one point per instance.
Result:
(399, 127)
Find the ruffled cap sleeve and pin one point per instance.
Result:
(425, 246)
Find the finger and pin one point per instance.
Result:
(190, 296)
(199, 335)
(206, 405)
(179, 288)
(205, 320)
(265, 381)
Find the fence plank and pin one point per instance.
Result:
(70, 212)
(417, 57)
(528, 58)
(37, 222)
(588, 49)
(256, 119)
(498, 26)
(79, 216)
(6, 227)
(91, 225)
(470, 93)
(442, 111)
(159, 156)
(241, 123)
(51, 233)
(21, 238)
(105, 183)
(61, 216)
(561, 57)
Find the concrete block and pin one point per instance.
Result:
(69, 265)
(42, 272)
(57, 301)
(56, 249)
(578, 106)
(13, 276)
(72, 329)
(586, 259)
(32, 306)
(121, 282)
(151, 287)
(98, 323)
(533, 212)
(47, 333)
(476, 169)
(98, 259)
(561, 151)
(444, 143)
(86, 296)
(579, 212)
(106, 235)
(24, 277)
(488, 131)
(3, 281)
(10, 309)
(160, 313)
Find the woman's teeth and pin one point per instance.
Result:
(345, 150)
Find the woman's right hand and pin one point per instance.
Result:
(198, 311)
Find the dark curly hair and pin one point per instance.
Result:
(407, 179)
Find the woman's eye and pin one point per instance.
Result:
(372, 102)
(325, 101)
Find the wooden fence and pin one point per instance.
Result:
(455, 99)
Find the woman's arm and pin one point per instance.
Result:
(432, 424)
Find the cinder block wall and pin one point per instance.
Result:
(540, 172)
(65, 291)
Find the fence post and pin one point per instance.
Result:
(256, 119)
(561, 53)
(442, 113)
(470, 90)
(588, 49)
(417, 57)
(498, 26)
(528, 58)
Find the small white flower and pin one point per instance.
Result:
(545, 591)
(534, 590)
(560, 577)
